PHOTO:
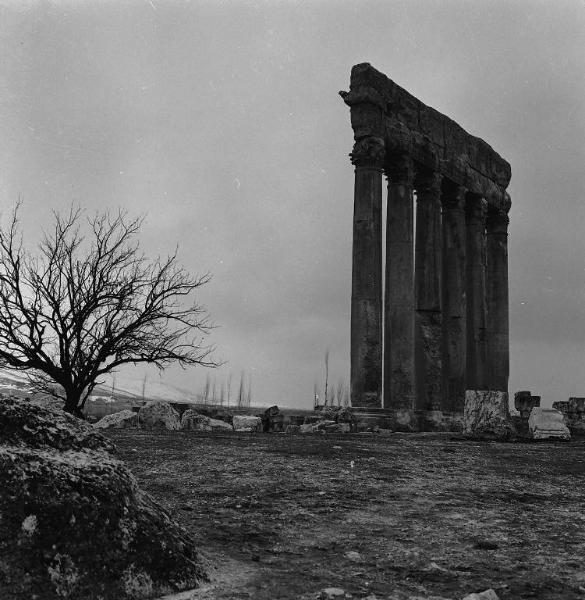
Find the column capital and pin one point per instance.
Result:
(476, 207)
(400, 170)
(368, 152)
(453, 198)
(497, 221)
(428, 181)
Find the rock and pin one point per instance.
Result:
(337, 428)
(486, 413)
(306, 428)
(74, 523)
(119, 420)
(192, 420)
(487, 595)
(524, 402)
(32, 425)
(548, 423)
(331, 593)
(293, 429)
(159, 415)
(354, 556)
(247, 423)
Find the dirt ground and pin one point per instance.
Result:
(428, 514)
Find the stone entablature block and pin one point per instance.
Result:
(381, 109)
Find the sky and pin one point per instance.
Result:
(220, 121)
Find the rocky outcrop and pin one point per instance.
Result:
(548, 423)
(120, 420)
(74, 523)
(247, 423)
(159, 415)
(486, 413)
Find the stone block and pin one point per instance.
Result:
(119, 420)
(247, 423)
(548, 423)
(486, 413)
(160, 415)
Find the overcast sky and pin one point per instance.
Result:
(222, 123)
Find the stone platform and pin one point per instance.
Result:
(406, 420)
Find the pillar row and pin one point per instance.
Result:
(399, 293)
(427, 275)
(477, 356)
(454, 308)
(366, 293)
(498, 342)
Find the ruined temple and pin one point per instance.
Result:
(439, 325)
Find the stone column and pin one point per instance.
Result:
(399, 294)
(453, 297)
(366, 293)
(477, 367)
(498, 340)
(427, 283)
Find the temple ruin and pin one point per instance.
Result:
(439, 325)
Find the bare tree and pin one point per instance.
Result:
(89, 302)
(242, 391)
(229, 388)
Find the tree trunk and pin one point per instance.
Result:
(73, 403)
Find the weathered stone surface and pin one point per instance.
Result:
(159, 414)
(547, 423)
(381, 108)
(399, 299)
(29, 424)
(74, 523)
(192, 420)
(485, 595)
(247, 423)
(497, 302)
(366, 290)
(119, 420)
(454, 301)
(291, 429)
(487, 413)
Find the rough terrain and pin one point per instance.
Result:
(420, 514)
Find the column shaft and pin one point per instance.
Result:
(427, 277)
(498, 341)
(399, 293)
(477, 367)
(454, 299)
(366, 294)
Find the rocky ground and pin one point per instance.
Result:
(284, 516)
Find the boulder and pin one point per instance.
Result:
(247, 423)
(158, 415)
(485, 595)
(293, 429)
(75, 524)
(29, 424)
(119, 420)
(194, 421)
(548, 423)
(306, 428)
(486, 412)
